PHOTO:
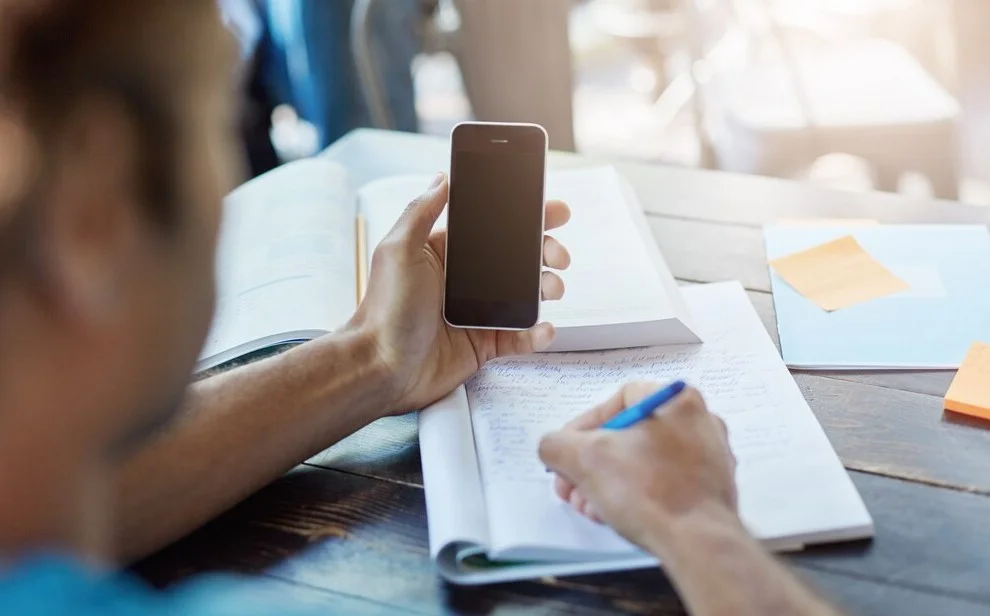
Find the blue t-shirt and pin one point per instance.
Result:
(50, 586)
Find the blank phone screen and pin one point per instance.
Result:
(495, 236)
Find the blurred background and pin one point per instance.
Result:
(853, 94)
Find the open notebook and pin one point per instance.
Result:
(491, 512)
(295, 244)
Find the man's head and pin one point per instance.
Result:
(117, 147)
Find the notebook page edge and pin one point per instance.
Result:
(455, 503)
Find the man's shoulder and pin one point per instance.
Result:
(46, 586)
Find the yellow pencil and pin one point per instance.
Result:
(362, 257)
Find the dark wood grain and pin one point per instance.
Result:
(927, 539)
(712, 252)
(387, 449)
(899, 433)
(367, 538)
(863, 597)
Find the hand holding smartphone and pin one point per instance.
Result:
(495, 224)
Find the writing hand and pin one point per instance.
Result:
(403, 307)
(641, 480)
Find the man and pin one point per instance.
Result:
(117, 152)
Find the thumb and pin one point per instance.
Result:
(416, 222)
(561, 452)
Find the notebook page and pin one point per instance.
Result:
(285, 257)
(607, 247)
(792, 485)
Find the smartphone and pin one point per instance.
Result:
(495, 225)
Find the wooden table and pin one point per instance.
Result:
(348, 529)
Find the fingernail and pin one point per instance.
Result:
(542, 337)
(437, 180)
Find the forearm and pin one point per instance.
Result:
(719, 569)
(241, 430)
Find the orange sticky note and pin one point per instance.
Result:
(837, 274)
(970, 389)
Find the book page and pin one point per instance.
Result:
(286, 258)
(613, 277)
(792, 485)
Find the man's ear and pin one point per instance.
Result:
(93, 233)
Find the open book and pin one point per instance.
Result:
(295, 245)
(491, 512)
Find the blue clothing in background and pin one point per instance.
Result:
(298, 52)
(51, 586)
(309, 63)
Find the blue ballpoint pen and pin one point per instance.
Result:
(645, 407)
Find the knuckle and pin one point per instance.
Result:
(691, 401)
